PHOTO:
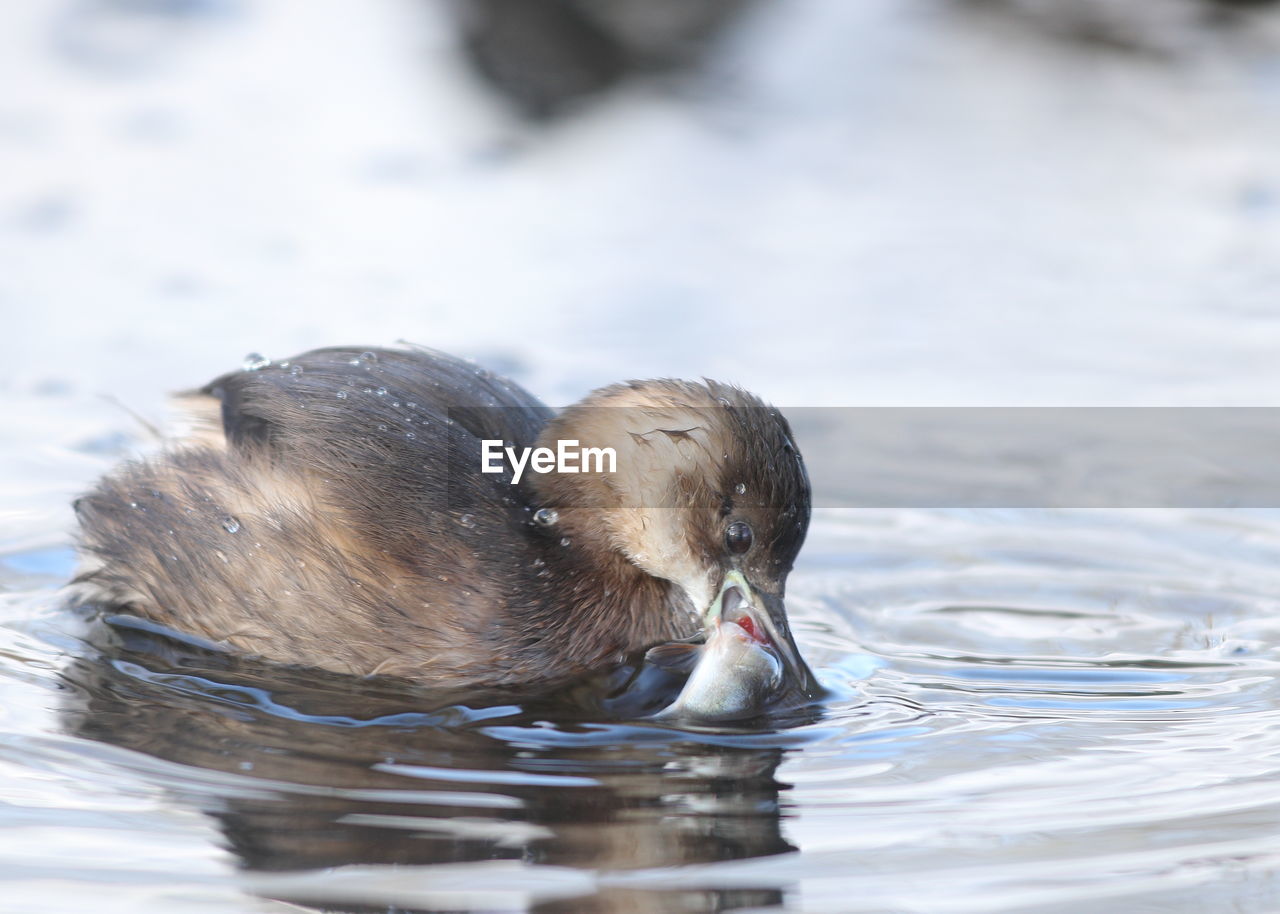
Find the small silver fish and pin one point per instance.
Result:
(735, 676)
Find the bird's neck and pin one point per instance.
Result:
(595, 609)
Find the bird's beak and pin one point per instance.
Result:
(763, 617)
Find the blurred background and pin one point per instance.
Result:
(831, 202)
(880, 202)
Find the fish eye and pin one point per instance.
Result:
(737, 539)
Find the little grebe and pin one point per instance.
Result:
(331, 511)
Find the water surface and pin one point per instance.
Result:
(1029, 710)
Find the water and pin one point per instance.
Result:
(874, 203)
(1029, 711)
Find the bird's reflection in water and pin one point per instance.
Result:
(305, 770)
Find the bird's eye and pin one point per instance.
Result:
(737, 539)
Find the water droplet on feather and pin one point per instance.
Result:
(546, 517)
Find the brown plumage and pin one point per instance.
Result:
(329, 511)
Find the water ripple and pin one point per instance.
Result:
(1024, 733)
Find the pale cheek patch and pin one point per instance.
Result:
(670, 443)
(654, 539)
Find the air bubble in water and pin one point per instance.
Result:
(741, 488)
(255, 361)
(341, 395)
(231, 525)
(468, 521)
